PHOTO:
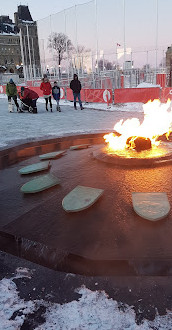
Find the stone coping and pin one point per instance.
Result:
(14, 154)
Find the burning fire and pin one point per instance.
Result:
(157, 122)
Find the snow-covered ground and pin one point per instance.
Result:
(17, 127)
(94, 310)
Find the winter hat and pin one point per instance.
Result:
(11, 81)
(75, 76)
(22, 89)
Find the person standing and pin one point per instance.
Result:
(75, 85)
(11, 91)
(46, 88)
(56, 94)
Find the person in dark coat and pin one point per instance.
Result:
(75, 85)
(29, 97)
(56, 94)
(11, 91)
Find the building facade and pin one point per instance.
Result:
(29, 41)
(10, 52)
(19, 47)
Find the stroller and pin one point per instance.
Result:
(25, 105)
(28, 100)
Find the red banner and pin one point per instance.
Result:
(105, 95)
(2, 89)
(161, 79)
(40, 93)
(166, 94)
(122, 81)
(70, 95)
(92, 95)
(136, 94)
(98, 95)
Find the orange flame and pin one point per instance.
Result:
(157, 121)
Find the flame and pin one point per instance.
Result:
(157, 121)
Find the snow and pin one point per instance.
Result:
(17, 127)
(27, 22)
(9, 34)
(10, 303)
(92, 311)
(147, 85)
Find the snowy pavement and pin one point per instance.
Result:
(16, 128)
(34, 297)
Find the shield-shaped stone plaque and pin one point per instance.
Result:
(81, 198)
(151, 206)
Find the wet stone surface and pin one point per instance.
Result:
(109, 231)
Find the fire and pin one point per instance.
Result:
(157, 121)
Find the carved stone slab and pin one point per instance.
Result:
(151, 206)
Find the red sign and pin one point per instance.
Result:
(136, 94)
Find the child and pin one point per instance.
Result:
(46, 88)
(11, 91)
(56, 94)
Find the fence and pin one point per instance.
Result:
(110, 96)
(107, 35)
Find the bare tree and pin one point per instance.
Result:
(62, 45)
(80, 52)
(107, 65)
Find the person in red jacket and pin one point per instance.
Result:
(46, 88)
(29, 97)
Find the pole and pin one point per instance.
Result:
(44, 54)
(156, 64)
(25, 56)
(52, 48)
(96, 28)
(27, 29)
(76, 36)
(147, 55)
(92, 63)
(22, 54)
(116, 56)
(124, 32)
(131, 59)
(66, 47)
(163, 61)
(33, 59)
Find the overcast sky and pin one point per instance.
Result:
(144, 29)
(38, 8)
